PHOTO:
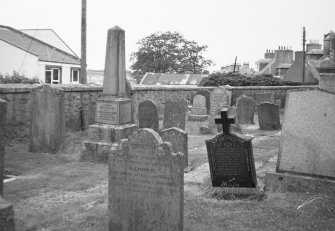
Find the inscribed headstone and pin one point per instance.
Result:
(175, 113)
(178, 139)
(307, 142)
(146, 183)
(245, 109)
(148, 115)
(264, 97)
(230, 157)
(47, 127)
(219, 97)
(268, 116)
(199, 105)
(3, 114)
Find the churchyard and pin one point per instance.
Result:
(247, 165)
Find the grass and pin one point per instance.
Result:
(57, 192)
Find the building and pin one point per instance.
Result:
(38, 54)
(242, 69)
(171, 79)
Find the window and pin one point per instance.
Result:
(53, 74)
(75, 74)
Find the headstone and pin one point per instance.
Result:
(146, 184)
(268, 116)
(245, 109)
(219, 97)
(264, 97)
(175, 113)
(47, 126)
(114, 109)
(178, 138)
(148, 115)
(199, 109)
(232, 114)
(230, 157)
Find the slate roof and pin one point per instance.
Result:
(284, 66)
(171, 79)
(44, 51)
(264, 60)
(315, 52)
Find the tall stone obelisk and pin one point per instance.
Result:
(113, 110)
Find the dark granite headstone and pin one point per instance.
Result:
(230, 157)
(232, 114)
(268, 116)
(245, 109)
(175, 113)
(148, 115)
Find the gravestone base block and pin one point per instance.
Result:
(110, 133)
(6, 216)
(285, 182)
(197, 118)
(113, 110)
(95, 151)
(234, 192)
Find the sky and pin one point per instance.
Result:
(230, 28)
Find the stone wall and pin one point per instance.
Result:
(80, 101)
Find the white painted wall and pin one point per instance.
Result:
(15, 59)
(66, 70)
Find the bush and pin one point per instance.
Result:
(17, 78)
(236, 79)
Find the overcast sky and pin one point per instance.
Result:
(242, 28)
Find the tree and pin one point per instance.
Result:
(169, 52)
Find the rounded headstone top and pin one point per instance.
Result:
(116, 28)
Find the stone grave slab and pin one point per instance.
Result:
(268, 116)
(146, 183)
(307, 143)
(219, 97)
(199, 109)
(47, 126)
(148, 115)
(264, 97)
(230, 157)
(178, 139)
(175, 113)
(245, 109)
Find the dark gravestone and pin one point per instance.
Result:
(175, 113)
(230, 157)
(232, 114)
(245, 109)
(268, 116)
(148, 115)
(3, 114)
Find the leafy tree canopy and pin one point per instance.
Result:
(169, 52)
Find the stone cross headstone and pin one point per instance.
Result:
(178, 139)
(231, 115)
(148, 115)
(114, 109)
(175, 113)
(264, 97)
(47, 126)
(146, 184)
(245, 109)
(230, 157)
(268, 116)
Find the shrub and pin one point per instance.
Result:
(17, 78)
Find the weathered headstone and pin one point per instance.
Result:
(306, 160)
(199, 109)
(268, 116)
(47, 126)
(178, 138)
(113, 109)
(148, 115)
(175, 113)
(264, 97)
(230, 157)
(146, 184)
(245, 109)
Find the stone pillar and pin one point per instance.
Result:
(327, 75)
(113, 110)
(3, 114)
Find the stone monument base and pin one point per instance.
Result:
(6, 216)
(285, 182)
(198, 118)
(235, 193)
(110, 133)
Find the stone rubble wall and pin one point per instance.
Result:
(80, 101)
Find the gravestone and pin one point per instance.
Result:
(199, 109)
(232, 114)
(6, 209)
(175, 113)
(264, 97)
(306, 160)
(178, 139)
(47, 126)
(230, 157)
(268, 116)
(245, 109)
(146, 184)
(113, 110)
(148, 115)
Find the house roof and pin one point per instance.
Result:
(284, 66)
(264, 60)
(171, 79)
(315, 52)
(43, 50)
